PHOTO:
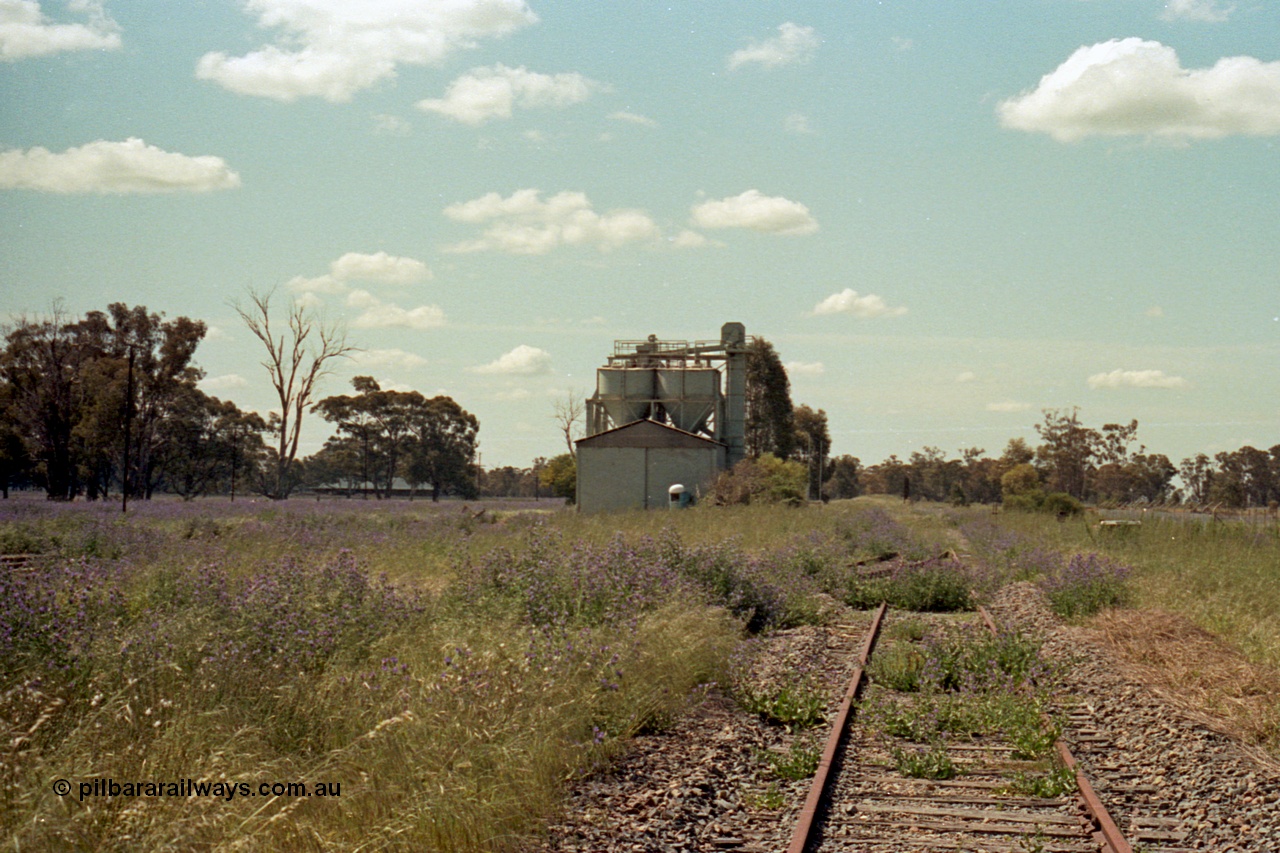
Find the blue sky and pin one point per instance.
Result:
(947, 217)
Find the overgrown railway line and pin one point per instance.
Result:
(862, 800)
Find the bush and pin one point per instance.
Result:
(1086, 584)
(1061, 504)
(1025, 502)
(765, 479)
(933, 586)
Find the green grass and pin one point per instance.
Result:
(1223, 575)
(455, 724)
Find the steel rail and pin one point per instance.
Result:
(1111, 835)
(817, 792)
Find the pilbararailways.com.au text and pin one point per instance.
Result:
(191, 788)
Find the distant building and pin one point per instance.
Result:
(634, 466)
(664, 413)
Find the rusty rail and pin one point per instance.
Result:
(809, 812)
(1112, 838)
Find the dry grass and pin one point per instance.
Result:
(1198, 673)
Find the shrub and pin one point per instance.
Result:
(1086, 584)
(1026, 502)
(932, 763)
(1057, 782)
(794, 703)
(933, 586)
(800, 761)
(1061, 504)
(898, 667)
(765, 479)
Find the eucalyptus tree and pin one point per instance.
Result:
(770, 426)
(42, 364)
(300, 351)
(394, 434)
(813, 446)
(77, 387)
(209, 445)
(443, 450)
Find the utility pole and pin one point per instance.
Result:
(128, 448)
(235, 454)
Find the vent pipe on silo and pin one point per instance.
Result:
(734, 432)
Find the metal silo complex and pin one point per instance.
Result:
(664, 413)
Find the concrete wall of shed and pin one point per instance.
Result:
(616, 478)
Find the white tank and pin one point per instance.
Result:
(625, 392)
(689, 395)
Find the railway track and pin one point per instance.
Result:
(866, 798)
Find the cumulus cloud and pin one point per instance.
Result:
(226, 382)
(25, 32)
(524, 360)
(379, 267)
(797, 123)
(793, 44)
(1136, 87)
(389, 125)
(1137, 379)
(966, 376)
(387, 358)
(848, 301)
(525, 224)
(495, 91)
(376, 314)
(751, 209)
(334, 48)
(131, 166)
(1207, 11)
(805, 368)
(1008, 406)
(687, 239)
(633, 118)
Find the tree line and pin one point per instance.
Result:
(1100, 465)
(110, 403)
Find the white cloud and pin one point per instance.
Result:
(390, 125)
(388, 358)
(902, 43)
(334, 48)
(772, 214)
(805, 368)
(1155, 312)
(633, 118)
(226, 382)
(966, 376)
(793, 43)
(131, 166)
(380, 267)
(866, 307)
(1136, 87)
(356, 266)
(26, 32)
(1136, 379)
(383, 315)
(495, 91)
(524, 224)
(1207, 11)
(687, 239)
(798, 123)
(1008, 406)
(524, 360)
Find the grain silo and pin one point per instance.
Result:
(663, 413)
